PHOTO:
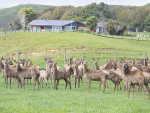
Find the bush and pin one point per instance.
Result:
(87, 31)
(126, 34)
(81, 30)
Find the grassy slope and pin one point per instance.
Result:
(76, 100)
(8, 14)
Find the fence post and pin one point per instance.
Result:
(65, 57)
(101, 63)
(114, 56)
(99, 53)
(102, 55)
(49, 29)
(18, 55)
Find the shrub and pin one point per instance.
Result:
(87, 31)
(81, 30)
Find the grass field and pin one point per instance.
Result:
(65, 100)
(76, 100)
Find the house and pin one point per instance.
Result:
(100, 27)
(56, 25)
(139, 29)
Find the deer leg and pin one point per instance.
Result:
(66, 83)
(115, 87)
(128, 90)
(37, 82)
(30, 81)
(54, 84)
(75, 82)
(99, 85)
(133, 86)
(27, 81)
(34, 82)
(40, 82)
(69, 84)
(6, 82)
(89, 82)
(81, 80)
(51, 79)
(10, 82)
(78, 82)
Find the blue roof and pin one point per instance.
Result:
(51, 22)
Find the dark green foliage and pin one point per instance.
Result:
(91, 22)
(146, 24)
(133, 15)
(94, 10)
(30, 14)
(81, 30)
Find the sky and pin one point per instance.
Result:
(76, 3)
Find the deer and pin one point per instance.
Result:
(45, 75)
(59, 74)
(28, 73)
(95, 75)
(11, 73)
(133, 78)
(78, 74)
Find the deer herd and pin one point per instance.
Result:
(128, 72)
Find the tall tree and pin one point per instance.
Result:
(91, 22)
(146, 24)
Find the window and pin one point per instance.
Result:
(56, 28)
(69, 28)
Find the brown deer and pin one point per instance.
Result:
(28, 73)
(133, 78)
(11, 73)
(59, 74)
(78, 74)
(95, 75)
(45, 75)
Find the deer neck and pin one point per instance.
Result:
(6, 67)
(96, 67)
(126, 71)
(85, 69)
(55, 71)
(1, 66)
(19, 69)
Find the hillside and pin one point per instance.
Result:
(147, 4)
(8, 14)
(30, 44)
(113, 6)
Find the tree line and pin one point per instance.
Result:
(135, 16)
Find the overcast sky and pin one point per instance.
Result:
(10, 3)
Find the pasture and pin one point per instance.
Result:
(74, 100)
(66, 100)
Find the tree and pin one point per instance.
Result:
(77, 18)
(10, 26)
(26, 15)
(91, 22)
(146, 24)
(122, 17)
(2, 29)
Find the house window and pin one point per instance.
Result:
(56, 28)
(69, 28)
(83, 27)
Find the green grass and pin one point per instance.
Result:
(65, 100)
(8, 14)
(76, 100)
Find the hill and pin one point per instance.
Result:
(44, 43)
(8, 14)
(147, 4)
(113, 6)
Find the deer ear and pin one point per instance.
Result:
(98, 59)
(2, 58)
(28, 60)
(15, 61)
(106, 61)
(93, 59)
(87, 60)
